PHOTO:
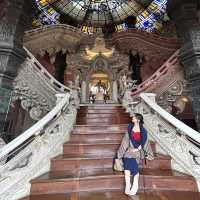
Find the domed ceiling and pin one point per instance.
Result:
(98, 13)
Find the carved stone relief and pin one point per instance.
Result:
(53, 39)
(171, 95)
(33, 91)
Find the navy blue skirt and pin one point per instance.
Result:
(131, 165)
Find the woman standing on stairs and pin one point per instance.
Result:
(132, 148)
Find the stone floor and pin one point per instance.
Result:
(118, 195)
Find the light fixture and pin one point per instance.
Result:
(184, 99)
(98, 50)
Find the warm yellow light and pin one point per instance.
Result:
(99, 75)
(108, 54)
(185, 99)
(98, 49)
(91, 54)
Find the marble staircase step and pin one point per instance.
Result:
(100, 111)
(104, 179)
(103, 148)
(119, 195)
(111, 108)
(95, 148)
(92, 137)
(100, 128)
(102, 115)
(102, 106)
(103, 120)
(70, 161)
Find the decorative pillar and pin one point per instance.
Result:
(185, 16)
(83, 91)
(115, 91)
(5, 98)
(13, 22)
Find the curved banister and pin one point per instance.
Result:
(56, 84)
(185, 130)
(33, 149)
(35, 129)
(158, 74)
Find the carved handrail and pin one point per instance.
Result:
(35, 129)
(158, 74)
(56, 84)
(170, 73)
(171, 136)
(185, 130)
(36, 88)
(30, 153)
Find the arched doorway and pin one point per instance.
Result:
(99, 87)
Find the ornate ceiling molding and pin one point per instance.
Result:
(53, 39)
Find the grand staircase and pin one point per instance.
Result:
(84, 170)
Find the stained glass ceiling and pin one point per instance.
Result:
(97, 13)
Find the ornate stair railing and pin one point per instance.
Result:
(171, 135)
(36, 88)
(37, 66)
(167, 82)
(28, 155)
(162, 71)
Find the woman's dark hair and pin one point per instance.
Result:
(139, 117)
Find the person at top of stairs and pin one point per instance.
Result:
(134, 145)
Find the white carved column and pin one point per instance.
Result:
(115, 91)
(83, 92)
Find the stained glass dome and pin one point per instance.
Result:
(98, 13)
